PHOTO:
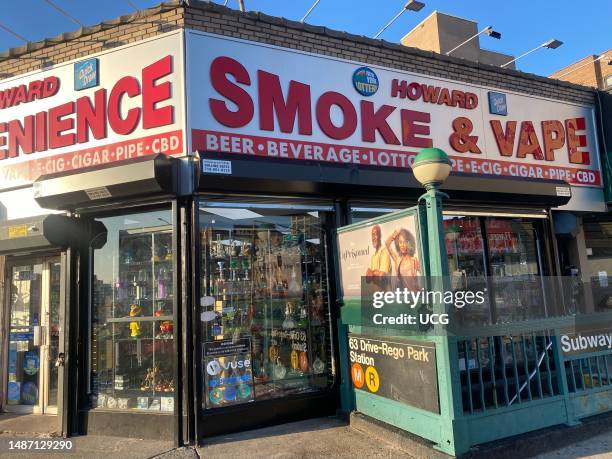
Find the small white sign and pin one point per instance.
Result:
(603, 278)
(564, 191)
(216, 166)
(98, 193)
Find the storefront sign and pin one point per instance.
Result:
(497, 103)
(12, 361)
(13, 392)
(29, 393)
(21, 336)
(261, 101)
(227, 347)
(72, 116)
(403, 371)
(98, 193)
(86, 74)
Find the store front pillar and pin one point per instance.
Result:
(347, 395)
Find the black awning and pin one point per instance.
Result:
(49, 231)
(347, 181)
(146, 176)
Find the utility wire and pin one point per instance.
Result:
(133, 5)
(12, 32)
(72, 18)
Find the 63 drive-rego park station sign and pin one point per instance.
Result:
(404, 371)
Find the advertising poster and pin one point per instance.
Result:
(13, 393)
(31, 363)
(403, 371)
(229, 374)
(380, 251)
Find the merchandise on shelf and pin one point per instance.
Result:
(134, 352)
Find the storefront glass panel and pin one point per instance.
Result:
(34, 334)
(54, 331)
(133, 354)
(467, 263)
(598, 240)
(24, 347)
(504, 255)
(515, 257)
(264, 303)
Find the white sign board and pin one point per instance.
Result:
(113, 106)
(262, 101)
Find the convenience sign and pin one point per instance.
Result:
(123, 104)
(261, 101)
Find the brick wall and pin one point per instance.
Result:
(107, 35)
(582, 72)
(213, 18)
(588, 71)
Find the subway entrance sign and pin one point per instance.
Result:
(399, 370)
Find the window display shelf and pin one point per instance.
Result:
(134, 347)
(137, 319)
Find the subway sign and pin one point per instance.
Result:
(261, 101)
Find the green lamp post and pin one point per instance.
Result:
(431, 168)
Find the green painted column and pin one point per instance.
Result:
(454, 435)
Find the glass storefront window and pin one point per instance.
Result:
(466, 263)
(515, 258)
(133, 355)
(598, 240)
(264, 306)
(504, 255)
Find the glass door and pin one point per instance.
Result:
(33, 337)
(264, 303)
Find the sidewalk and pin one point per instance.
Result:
(332, 438)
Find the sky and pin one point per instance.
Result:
(584, 27)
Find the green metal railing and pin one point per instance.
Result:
(501, 371)
(585, 373)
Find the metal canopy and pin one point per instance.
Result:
(49, 231)
(353, 182)
(146, 176)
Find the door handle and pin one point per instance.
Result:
(61, 360)
(37, 335)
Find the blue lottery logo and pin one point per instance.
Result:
(365, 81)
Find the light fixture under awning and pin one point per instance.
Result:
(232, 213)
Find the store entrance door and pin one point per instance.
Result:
(31, 382)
